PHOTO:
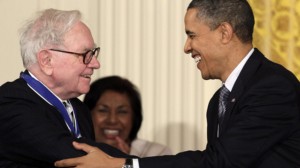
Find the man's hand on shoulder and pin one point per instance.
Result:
(95, 158)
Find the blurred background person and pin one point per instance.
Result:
(116, 110)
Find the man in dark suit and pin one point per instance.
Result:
(257, 123)
(59, 55)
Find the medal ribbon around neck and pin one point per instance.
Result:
(46, 94)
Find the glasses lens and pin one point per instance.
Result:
(96, 52)
(89, 55)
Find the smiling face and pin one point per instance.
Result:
(204, 45)
(112, 117)
(70, 74)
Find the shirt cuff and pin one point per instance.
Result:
(135, 163)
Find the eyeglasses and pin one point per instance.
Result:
(87, 56)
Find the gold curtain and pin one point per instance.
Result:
(277, 31)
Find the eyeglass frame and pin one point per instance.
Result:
(95, 50)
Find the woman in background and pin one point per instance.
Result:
(116, 110)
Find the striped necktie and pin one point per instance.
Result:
(223, 100)
(70, 111)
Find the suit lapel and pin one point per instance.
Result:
(212, 118)
(241, 84)
(83, 118)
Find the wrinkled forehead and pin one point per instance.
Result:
(79, 35)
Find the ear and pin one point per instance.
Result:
(226, 31)
(44, 59)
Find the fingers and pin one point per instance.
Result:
(67, 162)
(73, 162)
(94, 158)
(85, 147)
(122, 145)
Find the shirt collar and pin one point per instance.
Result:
(45, 87)
(236, 72)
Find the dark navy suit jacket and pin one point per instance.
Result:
(34, 134)
(261, 128)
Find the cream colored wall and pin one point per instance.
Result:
(141, 40)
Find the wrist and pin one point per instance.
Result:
(128, 163)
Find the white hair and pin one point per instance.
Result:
(46, 29)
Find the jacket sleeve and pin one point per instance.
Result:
(34, 133)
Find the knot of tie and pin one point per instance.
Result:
(67, 106)
(70, 111)
(224, 93)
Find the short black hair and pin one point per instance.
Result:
(238, 13)
(120, 85)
